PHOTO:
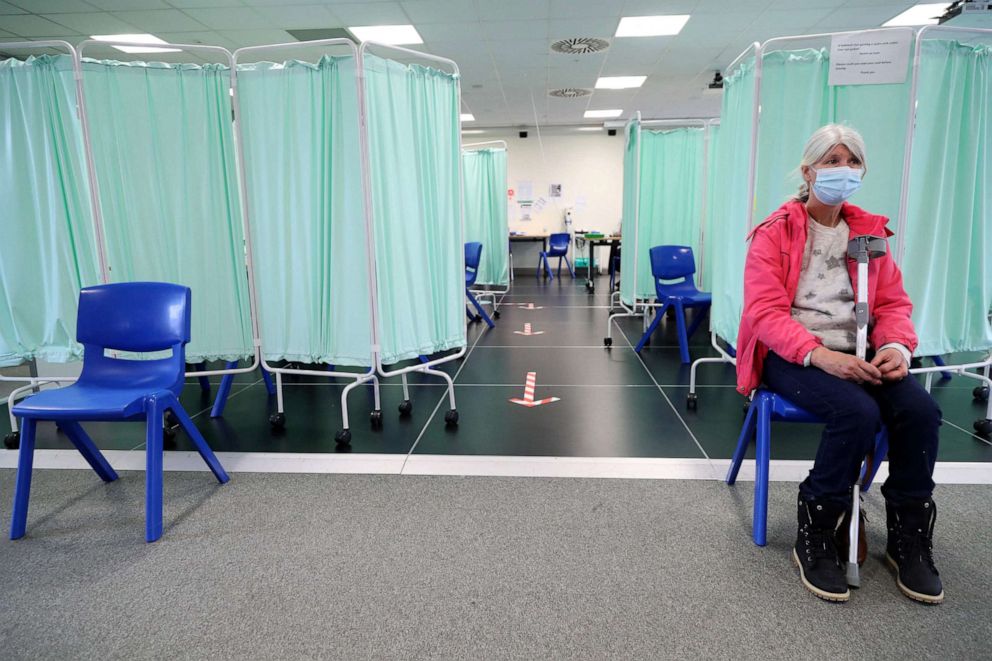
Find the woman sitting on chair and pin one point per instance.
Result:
(798, 336)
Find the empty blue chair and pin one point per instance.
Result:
(130, 317)
(557, 247)
(473, 256)
(766, 407)
(676, 263)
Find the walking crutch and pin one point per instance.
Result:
(862, 249)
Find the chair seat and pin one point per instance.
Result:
(687, 292)
(84, 402)
(469, 279)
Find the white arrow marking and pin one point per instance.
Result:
(530, 306)
(529, 389)
(527, 331)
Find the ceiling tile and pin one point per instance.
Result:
(515, 9)
(206, 38)
(6, 8)
(585, 9)
(437, 11)
(849, 18)
(370, 13)
(187, 4)
(242, 38)
(28, 25)
(300, 16)
(127, 5)
(665, 7)
(94, 23)
(794, 19)
(560, 28)
(160, 20)
(52, 6)
(751, 6)
(468, 33)
(234, 18)
(515, 30)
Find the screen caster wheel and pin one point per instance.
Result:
(12, 441)
(406, 408)
(451, 418)
(376, 419)
(607, 342)
(983, 427)
(691, 401)
(981, 394)
(343, 438)
(277, 421)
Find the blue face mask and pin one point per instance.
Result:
(835, 185)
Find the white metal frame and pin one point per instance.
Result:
(491, 294)
(759, 50)
(645, 305)
(428, 367)
(357, 378)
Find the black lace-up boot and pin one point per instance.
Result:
(910, 550)
(820, 566)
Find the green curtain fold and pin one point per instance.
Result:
(414, 144)
(947, 265)
(163, 153)
(669, 201)
(710, 231)
(47, 249)
(484, 181)
(306, 209)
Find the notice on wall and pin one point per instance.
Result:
(525, 191)
(874, 57)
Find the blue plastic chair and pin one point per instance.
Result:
(557, 247)
(133, 317)
(676, 263)
(766, 407)
(473, 256)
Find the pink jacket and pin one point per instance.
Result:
(771, 278)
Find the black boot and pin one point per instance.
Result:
(910, 550)
(820, 566)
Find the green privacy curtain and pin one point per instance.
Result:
(669, 199)
(947, 264)
(484, 180)
(306, 208)
(630, 181)
(796, 99)
(710, 232)
(414, 145)
(163, 152)
(46, 232)
(727, 226)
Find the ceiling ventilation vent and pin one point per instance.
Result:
(580, 45)
(570, 92)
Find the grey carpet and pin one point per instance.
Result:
(330, 566)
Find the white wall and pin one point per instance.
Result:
(588, 165)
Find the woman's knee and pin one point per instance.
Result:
(858, 414)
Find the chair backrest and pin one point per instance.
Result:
(134, 317)
(559, 242)
(473, 256)
(672, 262)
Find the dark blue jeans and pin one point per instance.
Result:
(853, 414)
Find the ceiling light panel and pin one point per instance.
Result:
(619, 82)
(394, 35)
(136, 39)
(651, 26)
(926, 13)
(602, 114)
(467, 117)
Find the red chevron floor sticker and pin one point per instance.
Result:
(528, 331)
(529, 390)
(530, 306)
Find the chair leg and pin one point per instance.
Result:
(22, 487)
(154, 410)
(480, 309)
(762, 458)
(224, 391)
(547, 267)
(201, 444)
(78, 436)
(559, 267)
(744, 440)
(700, 318)
(569, 265)
(683, 336)
(651, 329)
(204, 381)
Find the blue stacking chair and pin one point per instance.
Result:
(766, 407)
(676, 263)
(557, 247)
(473, 256)
(133, 317)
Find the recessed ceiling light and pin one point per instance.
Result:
(467, 117)
(602, 114)
(142, 38)
(927, 13)
(619, 82)
(651, 26)
(472, 131)
(394, 35)
(589, 128)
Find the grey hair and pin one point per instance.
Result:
(822, 141)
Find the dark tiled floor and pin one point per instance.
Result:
(610, 406)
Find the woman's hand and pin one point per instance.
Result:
(847, 367)
(891, 363)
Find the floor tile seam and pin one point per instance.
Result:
(669, 401)
(966, 431)
(430, 418)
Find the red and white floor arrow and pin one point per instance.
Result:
(530, 306)
(529, 389)
(527, 331)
